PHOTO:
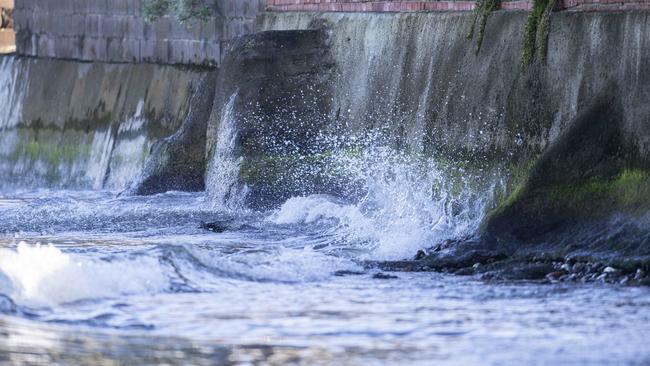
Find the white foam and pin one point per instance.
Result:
(279, 264)
(408, 205)
(223, 186)
(42, 275)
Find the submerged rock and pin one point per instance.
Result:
(216, 227)
(384, 276)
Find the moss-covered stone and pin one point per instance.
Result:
(573, 196)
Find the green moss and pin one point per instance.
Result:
(518, 174)
(272, 168)
(535, 39)
(629, 191)
(543, 30)
(50, 152)
(481, 12)
(185, 10)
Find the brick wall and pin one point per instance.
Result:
(433, 5)
(115, 31)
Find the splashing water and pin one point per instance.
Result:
(42, 275)
(223, 172)
(129, 289)
(408, 203)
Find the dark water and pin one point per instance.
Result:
(137, 281)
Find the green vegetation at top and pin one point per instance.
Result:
(535, 39)
(536, 31)
(481, 12)
(184, 10)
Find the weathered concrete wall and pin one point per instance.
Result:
(418, 70)
(115, 31)
(566, 139)
(85, 125)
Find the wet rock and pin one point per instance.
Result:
(215, 227)
(525, 271)
(384, 276)
(465, 272)
(554, 276)
(611, 270)
(640, 274)
(177, 163)
(420, 255)
(347, 273)
(578, 267)
(572, 277)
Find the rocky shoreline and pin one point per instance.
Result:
(499, 267)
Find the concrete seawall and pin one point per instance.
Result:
(85, 125)
(562, 144)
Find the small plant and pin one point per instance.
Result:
(536, 31)
(185, 10)
(481, 12)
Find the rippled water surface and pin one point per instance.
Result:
(137, 280)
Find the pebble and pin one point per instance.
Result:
(420, 255)
(610, 270)
(554, 276)
(566, 267)
(639, 274)
(476, 265)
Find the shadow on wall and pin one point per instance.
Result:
(7, 34)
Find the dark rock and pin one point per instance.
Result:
(216, 227)
(555, 276)
(611, 271)
(464, 272)
(177, 163)
(420, 255)
(640, 274)
(347, 273)
(384, 276)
